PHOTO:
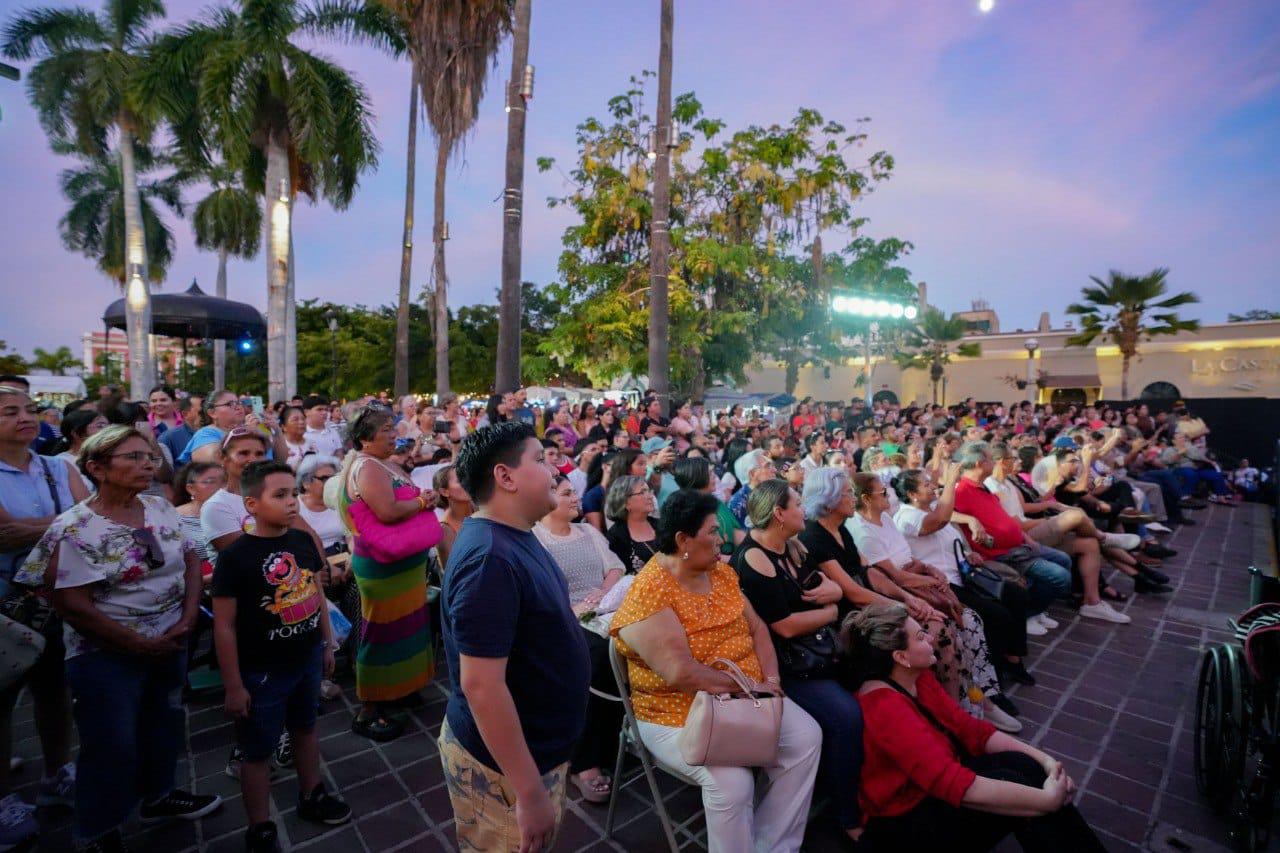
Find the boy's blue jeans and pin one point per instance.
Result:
(129, 716)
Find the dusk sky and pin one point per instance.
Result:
(1035, 145)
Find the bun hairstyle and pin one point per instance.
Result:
(869, 637)
(366, 424)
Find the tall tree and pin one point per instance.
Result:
(1128, 309)
(81, 89)
(660, 227)
(289, 120)
(507, 377)
(931, 346)
(57, 362)
(11, 362)
(227, 221)
(453, 43)
(406, 243)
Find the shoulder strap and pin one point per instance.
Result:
(53, 487)
(933, 721)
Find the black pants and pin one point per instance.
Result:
(934, 825)
(1004, 622)
(598, 746)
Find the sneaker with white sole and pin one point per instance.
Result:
(1104, 612)
(17, 822)
(1046, 621)
(1157, 527)
(1034, 628)
(60, 790)
(1000, 719)
(183, 805)
(1123, 541)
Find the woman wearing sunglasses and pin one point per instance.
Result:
(127, 584)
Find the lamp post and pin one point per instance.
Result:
(331, 320)
(1031, 345)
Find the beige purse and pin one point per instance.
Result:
(732, 729)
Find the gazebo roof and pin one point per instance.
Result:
(195, 314)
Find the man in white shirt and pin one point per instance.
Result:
(326, 440)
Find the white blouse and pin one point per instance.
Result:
(584, 556)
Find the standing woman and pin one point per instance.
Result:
(127, 584)
(394, 659)
(631, 506)
(457, 505)
(197, 482)
(76, 427)
(293, 423)
(34, 490)
(586, 419)
(162, 412)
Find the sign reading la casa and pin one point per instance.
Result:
(1235, 364)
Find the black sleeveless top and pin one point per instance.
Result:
(774, 598)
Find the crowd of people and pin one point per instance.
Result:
(878, 567)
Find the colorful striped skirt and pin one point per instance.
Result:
(394, 656)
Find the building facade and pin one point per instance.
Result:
(107, 354)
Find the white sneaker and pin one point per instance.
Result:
(1157, 527)
(1123, 541)
(1035, 629)
(1000, 719)
(1104, 612)
(1046, 621)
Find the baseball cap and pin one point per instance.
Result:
(653, 445)
(1065, 442)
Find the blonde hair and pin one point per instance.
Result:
(99, 446)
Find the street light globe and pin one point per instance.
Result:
(896, 311)
(882, 308)
(1031, 345)
(910, 312)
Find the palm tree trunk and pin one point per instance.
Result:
(793, 372)
(406, 244)
(137, 301)
(277, 242)
(291, 323)
(441, 277)
(659, 234)
(220, 347)
(1124, 377)
(507, 376)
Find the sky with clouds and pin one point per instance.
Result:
(1035, 146)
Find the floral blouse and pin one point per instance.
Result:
(98, 552)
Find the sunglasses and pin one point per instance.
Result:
(240, 432)
(144, 538)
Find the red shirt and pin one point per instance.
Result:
(973, 499)
(906, 757)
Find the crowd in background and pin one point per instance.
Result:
(881, 567)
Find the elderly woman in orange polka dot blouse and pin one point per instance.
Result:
(684, 610)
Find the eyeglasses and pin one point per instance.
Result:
(214, 482)
(139, 455)
(146, 539)
(640, 492)
(235, 403)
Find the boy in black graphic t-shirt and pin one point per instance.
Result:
(272, 633)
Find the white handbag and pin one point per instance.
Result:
(732, 729)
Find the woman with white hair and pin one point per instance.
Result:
(313, 472)
(828, 503)
(752, 468)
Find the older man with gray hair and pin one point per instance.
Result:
(1047, 570)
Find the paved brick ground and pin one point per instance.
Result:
(1115, 703)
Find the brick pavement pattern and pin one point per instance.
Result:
(1115, 703)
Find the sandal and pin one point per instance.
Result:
(594, 790)
(1110, 593)
(377, 727)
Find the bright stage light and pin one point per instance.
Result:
(985, 6)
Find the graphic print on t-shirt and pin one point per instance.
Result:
(294, 598)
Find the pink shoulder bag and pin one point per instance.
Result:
(732, 729)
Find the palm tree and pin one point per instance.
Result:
(80, 88)
(510, 320)
(930, 345)
(1124, 309)
(96, 223)
(287, 119)
(453, 43)
(227, 221)
(57, 362)
(659, 231)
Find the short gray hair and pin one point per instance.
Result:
(971, 453)
(310, 464)
(615, 502)
(823, 490)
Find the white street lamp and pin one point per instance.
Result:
(1031, 345)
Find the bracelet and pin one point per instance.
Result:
(773, 679)
(422, 504)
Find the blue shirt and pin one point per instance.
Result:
(176, 438)
(25, 494)
(208, 435)
(505, 597)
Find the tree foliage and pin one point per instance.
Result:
(1253, 315)
(57, 362)
(932, 344)
(11, 362)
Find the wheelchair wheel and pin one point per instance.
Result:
(1235, 719)
(1208, 728)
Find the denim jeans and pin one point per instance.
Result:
(130, 721)
(1048, 577)
(839, 715)
(1170, 489)
(1192, 477)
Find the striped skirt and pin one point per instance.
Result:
(394, 656)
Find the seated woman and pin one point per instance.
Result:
(694, 473)
(797, 601)
(895, 572)
(934, 778)
(630, 505)
(590, 569)
(628, 462)
(684, 610)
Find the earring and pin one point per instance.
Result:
(685, 555)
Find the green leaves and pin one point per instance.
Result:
(1125, 309)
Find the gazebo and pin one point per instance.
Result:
(194, 315)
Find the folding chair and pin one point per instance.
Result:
(629, 739)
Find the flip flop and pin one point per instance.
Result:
(595, 790)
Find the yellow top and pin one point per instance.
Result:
(716, 626)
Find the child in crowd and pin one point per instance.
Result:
(274, 643)
(1246, 479)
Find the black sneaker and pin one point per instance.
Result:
(109, 843)
(322, 807)
(1004, 703)
(1153, 575)
(283, 756)
(1141, 584)
(179, 804)
(1155, 549)
(262, 838)
(1016, 672)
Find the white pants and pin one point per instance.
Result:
(734, 825)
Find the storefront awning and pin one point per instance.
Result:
(1073, 380)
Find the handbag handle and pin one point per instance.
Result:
(732, 670)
